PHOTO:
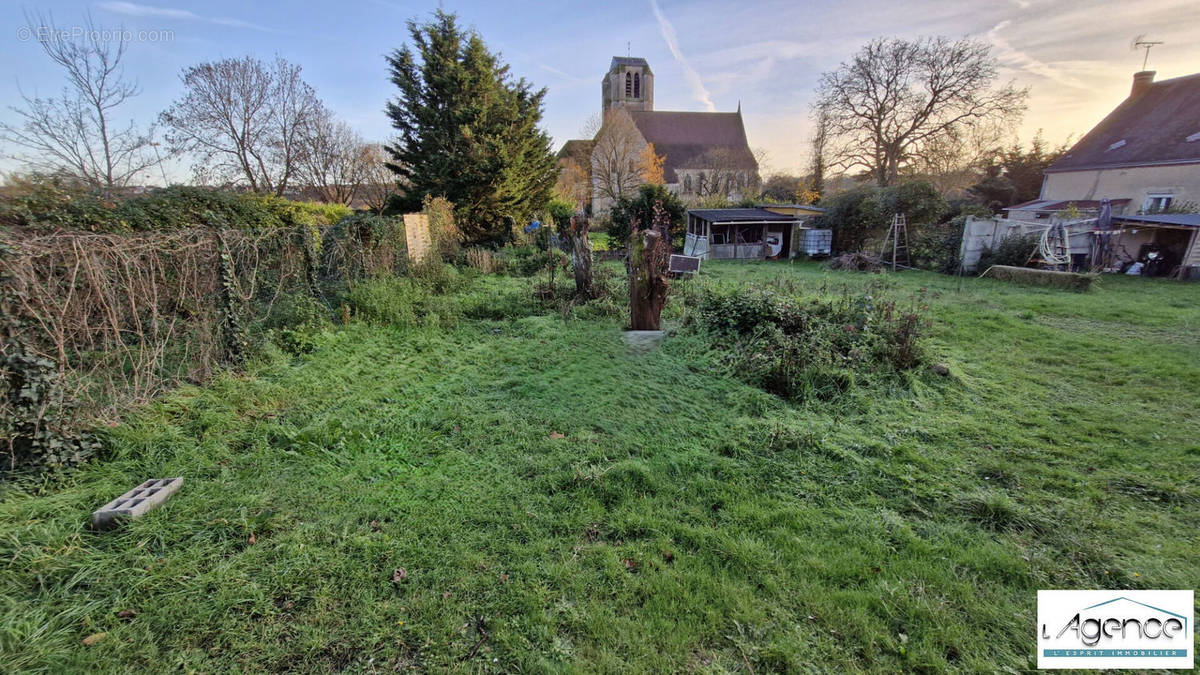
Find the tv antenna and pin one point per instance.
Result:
(1140, 42)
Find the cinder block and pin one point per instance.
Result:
(133, 504)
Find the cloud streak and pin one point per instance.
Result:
(134, 9)
(699, 91)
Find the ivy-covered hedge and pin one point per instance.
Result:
(50, 204)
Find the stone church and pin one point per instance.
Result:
(705, 155)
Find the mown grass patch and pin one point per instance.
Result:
(684, 520)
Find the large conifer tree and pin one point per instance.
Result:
(468, 131)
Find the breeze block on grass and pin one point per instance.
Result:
(133, 504)
(1072, 281)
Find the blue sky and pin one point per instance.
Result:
(768, 55)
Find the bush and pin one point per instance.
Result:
(809, 349)
(295, 320)
(401, 303)
(936, 247)
(640, 209)
(1013, 250)
(525, 261)
(857, 215)
(364, 245)
(857, 262)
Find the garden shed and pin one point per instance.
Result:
(757, 233)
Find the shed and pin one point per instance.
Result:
(756, 233)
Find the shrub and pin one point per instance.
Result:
(858, 262)
(640, 209)
(809, 349)
(401, 303)
(295, 320)
(857, 215)
(936, 247)
(364, 245)
(1013, 250)
(51, 203)
(525, 261)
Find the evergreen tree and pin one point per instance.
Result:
(467, 131)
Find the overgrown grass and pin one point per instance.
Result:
(683, 521)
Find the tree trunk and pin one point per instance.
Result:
(581, 257)
(648, 255)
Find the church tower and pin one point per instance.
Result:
(629, 84)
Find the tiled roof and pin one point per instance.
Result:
(577, 149)
(1160, 126)
(684, 138)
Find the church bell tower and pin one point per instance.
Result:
(629, 84)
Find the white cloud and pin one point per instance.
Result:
(699, 91)
(134, 9)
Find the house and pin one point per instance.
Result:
(765, 231)
(1144, 157)
(704, 154)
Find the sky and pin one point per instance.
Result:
(766, 55)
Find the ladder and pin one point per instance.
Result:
(897, 238)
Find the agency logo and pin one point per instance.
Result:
(1115, 629)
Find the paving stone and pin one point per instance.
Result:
(133, 504)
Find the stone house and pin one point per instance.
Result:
(1144, 158)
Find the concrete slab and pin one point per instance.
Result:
(136, 502)
(643, 341)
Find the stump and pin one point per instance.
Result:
(648, 254)
(581, 257)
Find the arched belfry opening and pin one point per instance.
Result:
(629, 84)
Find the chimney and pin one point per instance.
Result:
(1141, 83)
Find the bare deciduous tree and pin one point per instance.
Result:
(245, 120)
(378, 181)
(952, 163)
(334, 159)
(76, 134)
(721, 172)
(897, 97)
(617, 156)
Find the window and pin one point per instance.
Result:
(1156, 203)
(637, 85)
(628, 85)
(687, 184)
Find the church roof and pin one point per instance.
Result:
(1159, 126)
(579, 150)
(691, 139)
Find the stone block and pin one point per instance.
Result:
(133, 504)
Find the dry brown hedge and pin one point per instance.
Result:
(1072, 281)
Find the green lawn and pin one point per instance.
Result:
(685, 521)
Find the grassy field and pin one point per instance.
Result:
(524, 494)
